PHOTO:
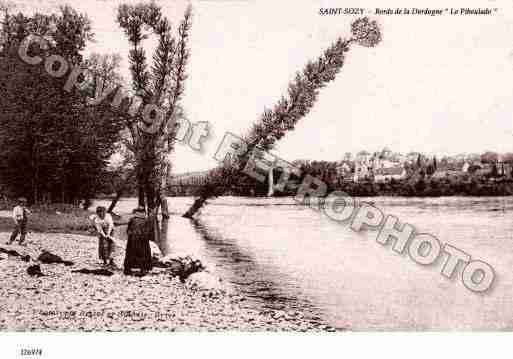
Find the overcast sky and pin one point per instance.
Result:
(435, 84)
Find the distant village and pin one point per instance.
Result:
(382, 173)
(386, 165)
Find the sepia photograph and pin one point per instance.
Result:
(241, 167)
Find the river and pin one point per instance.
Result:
(281, 255)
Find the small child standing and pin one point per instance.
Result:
(104, 226)
(20, 215)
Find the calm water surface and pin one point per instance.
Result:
(284, 256)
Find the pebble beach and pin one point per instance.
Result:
(65, 301)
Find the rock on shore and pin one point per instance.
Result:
(62, 300)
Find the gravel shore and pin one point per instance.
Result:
(66, 301)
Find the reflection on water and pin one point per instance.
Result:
(253, 279)
(164, 244)
(284, 256)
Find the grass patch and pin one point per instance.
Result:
(60, 218)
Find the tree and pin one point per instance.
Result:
(489, 157)
(495, 172)
(431, 167)
(302, 94)
(162, 86)
(419, 162)
(507, 157)
(104, 70)
(55, 146)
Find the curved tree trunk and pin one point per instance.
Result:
(115, 200)
(303, 93)
(198, 203)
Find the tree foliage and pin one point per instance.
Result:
(162, 85)
(55, 146)
(489, 157)
(301, 96)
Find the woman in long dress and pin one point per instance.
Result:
(138, 251)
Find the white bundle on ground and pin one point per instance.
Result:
(155, 250)
(205, 280)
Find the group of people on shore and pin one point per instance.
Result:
(140, 231)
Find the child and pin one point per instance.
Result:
(105, 227)
(20, 215)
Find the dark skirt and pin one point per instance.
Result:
(105, 246)
(138, 251)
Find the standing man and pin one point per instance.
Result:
(20, 215)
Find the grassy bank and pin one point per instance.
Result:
(51, 218)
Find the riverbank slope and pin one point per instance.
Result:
(62, 300)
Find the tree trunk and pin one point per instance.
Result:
(119, 193)
(164, 206)
(198, 203)
(163, 243)
(270, 180)
(141, 201)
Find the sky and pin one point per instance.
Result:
(438, 85)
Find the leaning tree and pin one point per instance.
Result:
(302, 94)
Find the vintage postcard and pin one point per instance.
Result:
(255, 166)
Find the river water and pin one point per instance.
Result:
(281, 255)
